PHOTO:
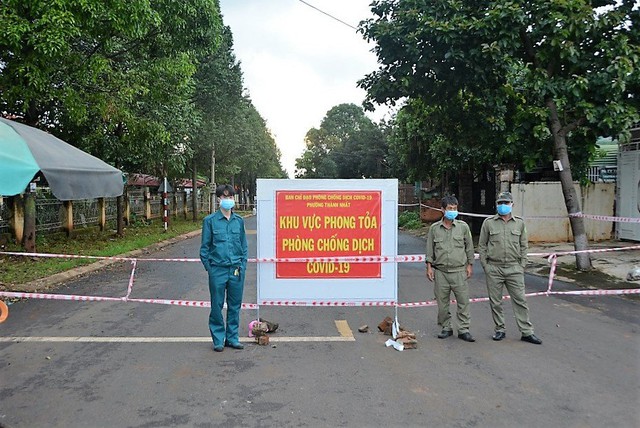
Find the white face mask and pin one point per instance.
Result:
(504, 209)
(450, 214)
(227, 204)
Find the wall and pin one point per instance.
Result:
(546, 199)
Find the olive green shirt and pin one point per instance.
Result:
(503, 242)
(449, 250)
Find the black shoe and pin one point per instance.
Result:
(218, 348)
(499, 335)
(532, 338)
(234, 345)
(444, 334)
(466, 337)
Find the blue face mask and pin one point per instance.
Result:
(504, 209)
(450, 215)
(227, 204)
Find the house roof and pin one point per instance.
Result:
(186, 183)
(143, 180)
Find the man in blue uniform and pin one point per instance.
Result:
(224, 255)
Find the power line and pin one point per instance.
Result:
(329, 15)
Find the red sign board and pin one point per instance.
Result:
(327, 224)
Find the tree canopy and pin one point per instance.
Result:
(347, 145)
(146, 86)
(549, 75)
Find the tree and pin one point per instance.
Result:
(347, 145)
(113, 78)
(564, 68)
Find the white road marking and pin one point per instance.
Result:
(346, 335)
(115, 339)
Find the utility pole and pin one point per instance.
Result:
(212, 191)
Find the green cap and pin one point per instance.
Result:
(504, 197)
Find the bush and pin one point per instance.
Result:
(409, 220)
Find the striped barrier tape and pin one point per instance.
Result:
(326, 303)
(546, 217)
(409, 258)
(552, 258)
(607, 218)
(207, 304)
(85, 298)
(352, 259)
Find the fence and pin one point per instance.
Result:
(51, 213)
(5, 214)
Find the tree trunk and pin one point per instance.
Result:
(465, 190)
(213, 166)
(580, 241)
(120, 215)
(29, 237)
(194, 191)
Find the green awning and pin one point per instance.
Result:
(17, 165)
(70, 173)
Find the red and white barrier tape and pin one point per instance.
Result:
(547, 217)
(83, 298)
(78, 256)
(206, 304)
(366, 259)
(599, 250)
(607, 218)
(319, 303)
(133, 272)
(409, 258)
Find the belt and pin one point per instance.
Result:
(501, 263)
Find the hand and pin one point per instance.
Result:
(469, 271)
(430, 273)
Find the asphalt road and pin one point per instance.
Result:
(116, 364)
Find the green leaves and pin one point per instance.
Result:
(481, 73)
(347, 145)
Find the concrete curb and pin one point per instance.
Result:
(59, 278)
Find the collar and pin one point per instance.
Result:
(219, 216)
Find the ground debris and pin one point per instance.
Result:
(385, 326)
(405, 339)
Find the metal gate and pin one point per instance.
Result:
(628, 201)
(484, 198)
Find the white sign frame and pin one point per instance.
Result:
(338, 290)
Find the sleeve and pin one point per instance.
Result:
(430, 257)
(206, 244)
(524, 245)
(482, 243)
(244, 246)
(468, 245)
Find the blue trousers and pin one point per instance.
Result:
(223, 280)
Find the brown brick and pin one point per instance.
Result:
(385, 326)
(408, 343)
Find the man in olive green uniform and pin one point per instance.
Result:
(503, 254)
(449, 261)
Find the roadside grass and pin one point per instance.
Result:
(88, 241)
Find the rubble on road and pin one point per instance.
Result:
(260, 328)
(404, 339)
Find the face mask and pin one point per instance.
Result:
(504, 209)
(227, 204)
(450, 215)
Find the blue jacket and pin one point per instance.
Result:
(224, 242)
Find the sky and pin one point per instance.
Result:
(298, 63)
